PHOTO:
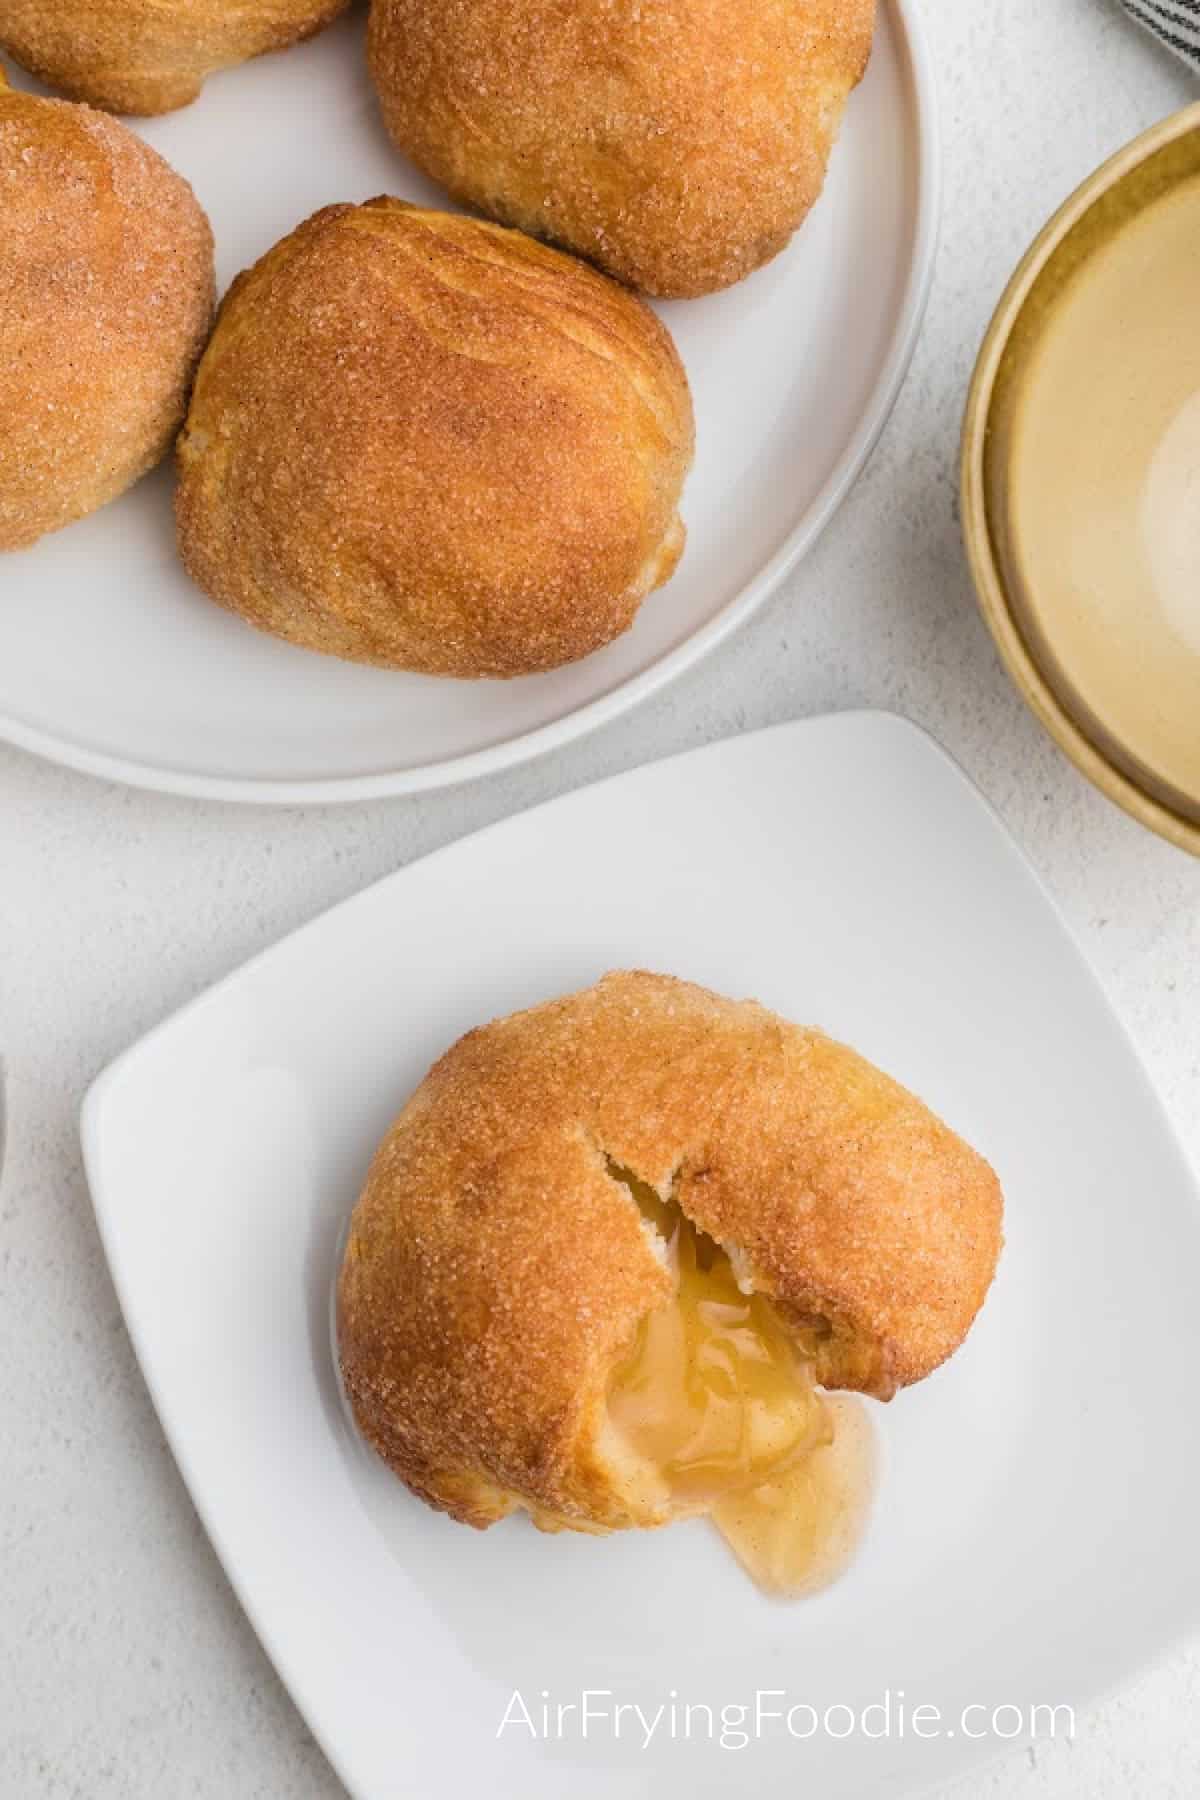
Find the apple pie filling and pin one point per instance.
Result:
(719, 1397)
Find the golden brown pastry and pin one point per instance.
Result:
(106, 298)
(610, 1244)
(677, 144)
(428, 443)
(149, 56)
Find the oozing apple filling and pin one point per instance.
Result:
(722, 1402)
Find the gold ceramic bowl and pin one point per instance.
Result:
(1059, 379)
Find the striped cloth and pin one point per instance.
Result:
(1176, 22)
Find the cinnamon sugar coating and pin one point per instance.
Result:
(149, 56)
(497, 1268)
(106, 299)
(422, 441)
(676, 143)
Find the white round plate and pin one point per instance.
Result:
(112, 662)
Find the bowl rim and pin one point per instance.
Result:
(1032, 683)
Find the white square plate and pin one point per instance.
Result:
(1034, 1537)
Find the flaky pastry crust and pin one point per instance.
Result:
(497, 1265)
(149, 56)
(422, 441)
(106, 299)
(677, 144)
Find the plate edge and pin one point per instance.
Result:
(97, 1092)
(578, 724)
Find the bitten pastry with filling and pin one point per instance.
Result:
(422, 441)
(149, 56)
(613, 1246)
(677, 144)
(106, 299)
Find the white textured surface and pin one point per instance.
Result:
(125, 1666)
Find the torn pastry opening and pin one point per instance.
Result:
(718, 1397)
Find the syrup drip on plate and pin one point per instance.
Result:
(721, 1399)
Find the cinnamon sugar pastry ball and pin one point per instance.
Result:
(424, 442)
(149, 56)
(678, 143)
(106, 299)
(606, 1239)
